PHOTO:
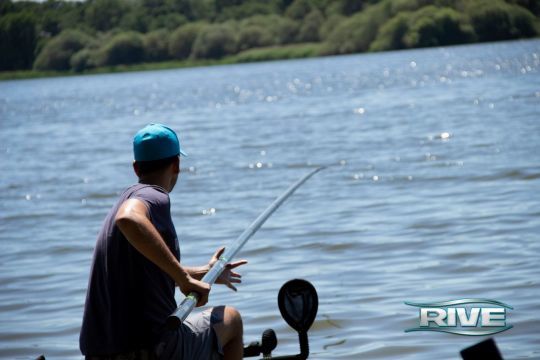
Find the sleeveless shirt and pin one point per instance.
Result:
(128, 297)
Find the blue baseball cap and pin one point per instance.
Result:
(156, 142)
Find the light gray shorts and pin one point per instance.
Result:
(195, 339)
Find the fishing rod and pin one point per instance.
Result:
(180, 314)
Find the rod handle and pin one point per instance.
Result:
(181, 313)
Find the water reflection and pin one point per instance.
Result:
(432, 193)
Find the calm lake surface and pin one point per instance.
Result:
(434, 192)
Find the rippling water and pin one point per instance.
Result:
(433, 196)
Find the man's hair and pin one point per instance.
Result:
(148, 167)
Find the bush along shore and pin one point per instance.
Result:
(67, 37)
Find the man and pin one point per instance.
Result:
(135, 268)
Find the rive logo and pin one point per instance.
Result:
(472, 317)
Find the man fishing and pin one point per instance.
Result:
(136, 266)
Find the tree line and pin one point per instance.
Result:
(77, 36)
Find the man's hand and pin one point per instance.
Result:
(228, 276)
(190, 284)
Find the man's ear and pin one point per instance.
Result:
(136, 168)
(176, 165)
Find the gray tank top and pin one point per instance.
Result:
(128, 297)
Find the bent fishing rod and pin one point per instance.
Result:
(187, 305)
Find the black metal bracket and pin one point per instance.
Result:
(298, 303)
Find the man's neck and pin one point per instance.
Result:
(157, 180)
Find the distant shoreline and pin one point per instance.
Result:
(273, 53)
(62, 38)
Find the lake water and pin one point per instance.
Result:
(434, 192)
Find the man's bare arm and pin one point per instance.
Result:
(197, 272)
(133, 221)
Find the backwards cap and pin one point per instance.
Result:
(156, 142)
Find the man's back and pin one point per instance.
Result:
(128, 296)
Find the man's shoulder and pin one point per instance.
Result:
(151, 194)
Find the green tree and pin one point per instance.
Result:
(329, 25)
(56, 53)
(356, 33)
(282, 30)
(532, 5)
(182, 40)
(285, 30)
(203, 9)
(496, 20)
(246, 10)
(299, 9)
(400, 6)
(215, 41)
(344, 7)
(6, 6)
(432, 26)
(136, 20)
(104, 15)
(390, 37)
(252, 36)
(122, 49)
(50, 23)
(183, 7)
(83, 60)
(156, 45)
(309, 31)
(71, 14)
(17, 41)
(167, 21)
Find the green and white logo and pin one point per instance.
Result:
(472, 317)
